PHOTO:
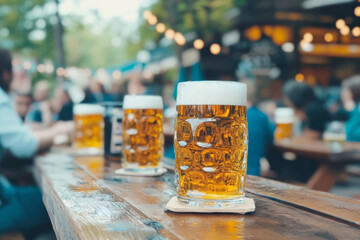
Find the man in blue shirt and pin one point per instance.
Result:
(260, 133)
(21, 208)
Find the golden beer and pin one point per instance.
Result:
(284, 118)
(143, 140)
(211, 143)
(89, 125)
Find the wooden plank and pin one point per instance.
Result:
(320, 151)
(92, 202)
(80, 208)
(272, 219)
(12, 236)
(325, 177)
(325, 204)
(342, 209)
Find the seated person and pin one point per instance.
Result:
(21, 208)
(260, 133)
(313, 117)
(307, 107)
(351, 97)
(22, 104)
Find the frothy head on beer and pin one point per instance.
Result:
(88, 109)
(211, 93)
(284, 115)
(142, 102)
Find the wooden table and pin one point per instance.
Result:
(331, 161)
(86, 200)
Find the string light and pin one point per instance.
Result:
(357, 11)
(160, 27)
(152, 20)
(199, 44)
(329, 37)
(116, 75)
(49, 68)
(340, 23)
(356, 31)
(41, 68)
(27, 65)
(169, 34)
(345, 30)
(215, 48)
(299, 77)
(179, 39)
(60, 71)
(308, 37)
(147, 14)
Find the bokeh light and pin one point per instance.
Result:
(199, 44)
(215, 48)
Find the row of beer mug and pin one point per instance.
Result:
(210, 138)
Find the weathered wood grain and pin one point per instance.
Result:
(90, 202)
(335, 207)
(80, 208)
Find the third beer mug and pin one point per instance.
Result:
(89, 125)
(284, 119)
(211, 143)
(143, 138)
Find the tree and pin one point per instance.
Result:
(206, 18)
(27, 27)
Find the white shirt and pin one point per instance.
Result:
(14, 135)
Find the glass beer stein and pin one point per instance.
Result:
(143, 139)
(284, 119)
(89, 125)
(211, 143)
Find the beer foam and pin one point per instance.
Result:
(86, 109)
(211, 93)
(284, 115)
(143, 102)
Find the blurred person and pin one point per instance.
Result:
(260, 132)
(268, 107)
(48, 111)
(311, 117)
(41, 91)
(116, 91)
(41, 97)
(22, 104)
(135, 85)
(21, 208)
(66, 110)
(350, 95)
(98, 92)
(307, 107)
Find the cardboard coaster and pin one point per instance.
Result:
(125, 172)
(176, 206)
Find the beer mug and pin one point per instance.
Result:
(89, 125)
(211, 143)
(284, 119)
(143, 139)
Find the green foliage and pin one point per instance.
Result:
(205, 17)
(84, 48)
(21, 19)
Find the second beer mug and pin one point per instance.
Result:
(211, 143)
(143, 140)
(89, 125)
(284, 119)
